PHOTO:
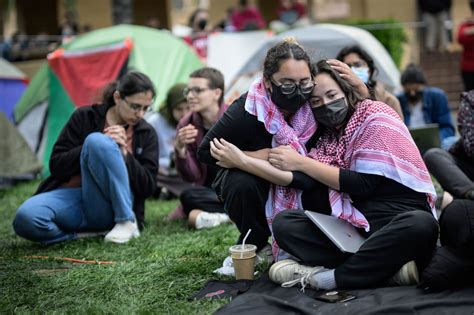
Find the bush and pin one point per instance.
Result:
(388, 31)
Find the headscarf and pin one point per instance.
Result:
(294, 133)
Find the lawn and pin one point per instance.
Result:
(155, 273)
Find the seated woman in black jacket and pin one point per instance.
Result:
(363, 168)
(103, 166)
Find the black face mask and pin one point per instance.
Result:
(414, 98)
(289, 102)
(202, 25)
(331, 114)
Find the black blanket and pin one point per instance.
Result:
(265, 297)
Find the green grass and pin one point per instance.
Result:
(155, 273)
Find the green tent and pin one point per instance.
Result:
(17, 157)
(97, 58)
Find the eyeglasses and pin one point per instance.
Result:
(195, 90)
(137, 107)
(305, 86)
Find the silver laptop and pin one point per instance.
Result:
(340, 232)
(426, 137)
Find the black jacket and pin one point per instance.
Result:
(238, 127)
(142, 166)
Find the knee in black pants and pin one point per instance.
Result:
(239, 187)
(422, 227)
(282, 226)
(457, 227)
(432, 156)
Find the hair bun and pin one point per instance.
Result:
(291, 40)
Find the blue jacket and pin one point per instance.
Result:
(435, 110)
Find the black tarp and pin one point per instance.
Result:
(265, 297)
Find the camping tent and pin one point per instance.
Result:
(17, 158)
(322, 41)
(77, 73)
(13, 83)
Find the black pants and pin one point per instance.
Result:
(454, 175)
(457, 227)
(407, 236)
(244, 197)
(200, 197)
(468, 80)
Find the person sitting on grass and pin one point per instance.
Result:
(454, 169)
(175, 107)
(205, 97)
(275, 111)
(363, 168)
(103, 167)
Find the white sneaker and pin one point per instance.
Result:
(123, 232)
(206, 220)
(288, 273)
(265, 255)
(407, 275)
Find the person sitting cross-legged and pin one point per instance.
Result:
(363, 168)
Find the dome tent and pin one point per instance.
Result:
(76, 74)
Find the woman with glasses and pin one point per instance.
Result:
(204, 94)
(103, 167)
(364, 168)
(274, 112)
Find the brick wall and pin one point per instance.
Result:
(442, 71)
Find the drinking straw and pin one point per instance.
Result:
(243, 243)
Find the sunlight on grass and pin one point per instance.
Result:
(155, 273)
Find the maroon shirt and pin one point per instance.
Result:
(189, 167)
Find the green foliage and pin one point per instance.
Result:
(390, 34)
(155, 273)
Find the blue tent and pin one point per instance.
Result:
(12, 85)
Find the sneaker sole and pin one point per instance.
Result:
(123, 241)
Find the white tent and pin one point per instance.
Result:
(240, 58)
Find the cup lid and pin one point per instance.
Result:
(246, 248)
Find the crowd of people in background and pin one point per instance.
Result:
(319, 135)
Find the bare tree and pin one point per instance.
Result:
(122, 11)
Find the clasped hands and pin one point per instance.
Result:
(229, 156)
(118, 134)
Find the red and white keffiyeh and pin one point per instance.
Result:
(294, 133)
(375, 141)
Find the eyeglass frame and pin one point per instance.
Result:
(136, 108)
(195, 90)
(295, 86)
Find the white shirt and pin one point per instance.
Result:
(416, 118)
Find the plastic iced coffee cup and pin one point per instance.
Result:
(243, 258)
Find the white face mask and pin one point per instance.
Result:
(362, 73)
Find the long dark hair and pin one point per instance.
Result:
(352, 96)
(131, 83)
(363, 55)
(284, 50)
